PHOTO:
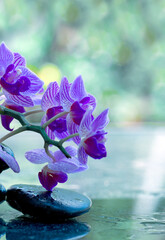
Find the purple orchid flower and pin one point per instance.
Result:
(7, 156)
(50, 104)
(93, 136)
(17, 81)
(76, 101)
(56, 171)
(5, 119)
(49, 179)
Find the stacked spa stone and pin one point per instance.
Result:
(35, 201)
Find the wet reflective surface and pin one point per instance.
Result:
(127, 190)
(108, 219)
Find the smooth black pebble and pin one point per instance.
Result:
(2, 193)
(57, 205)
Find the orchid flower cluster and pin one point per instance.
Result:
(67, 116)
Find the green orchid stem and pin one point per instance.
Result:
(32, 112)
(53, 119)
(17, 115)
(69, 137)
(26, 126)
(46, 146)
(19, 130)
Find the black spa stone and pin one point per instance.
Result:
(2, 193)
(57, 205)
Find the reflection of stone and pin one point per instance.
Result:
(2, 193)
(2, 227)
(56, 205)
(25, 228)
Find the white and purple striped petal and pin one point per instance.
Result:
(50, 98)
(19, 60)
(101, 121)
(72, 128)
(77, 90)
(86, 123)
(65, 99)
(24, 101)
(48, 131)
(82, 155)
(35, 83)
(6, 57)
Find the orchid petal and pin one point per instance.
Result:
(92, 101)
(6, 120)
(85, 123)
(19, 60)
(82, 156)
(24, 101)
(94, 149)
(66, 100)
(37, 99)
(101, 121)
(2, 97)
(61, 177)
(72, 151)
(48, 180)
(76, 112)
(9, 160)
(38, 156)
(77, 90)
(66, 165)
(35, 83)
(48, 131)
(6, 56)
(72, 128)
(48, 99)
(62, 135)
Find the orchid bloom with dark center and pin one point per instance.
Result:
(49, 179)
(12, 82)
(59, 124)
(56, 170)
(19, 84)
(92, 136)
(75, 100)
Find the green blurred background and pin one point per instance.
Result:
(117, 46)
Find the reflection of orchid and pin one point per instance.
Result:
(57, 168)
(17, 81)
(93, 136)
(7, 156)
(75, 100)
